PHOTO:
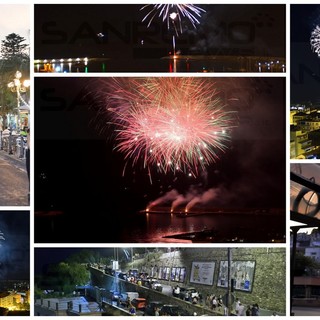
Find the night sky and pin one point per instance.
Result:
(45, 256)
(305, 64)
(78, 172)
(15, 249)
(64, 31)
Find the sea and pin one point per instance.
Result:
(161, 227)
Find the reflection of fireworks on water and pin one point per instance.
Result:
(172, 12)
(173, 124)
(315, 40)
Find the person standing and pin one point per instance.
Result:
(255, 310)
(249, 311)
(241, 310)
(237, 305)
(214, 303)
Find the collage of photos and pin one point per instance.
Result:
(145, 160)
(168, 164)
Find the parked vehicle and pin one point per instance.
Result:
(133, 273)
(139, 303)
(191, 291)
(152, 284)
(151, 307)
(173, 310)
(109, 271)
(114, 295)
(156, 285)
(122, 276)
(127, 297)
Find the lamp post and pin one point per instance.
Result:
(17, 86)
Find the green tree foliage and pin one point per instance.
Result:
(14, 53)
(14, 56)
(89, 256)
(64, 277)
(303, 264)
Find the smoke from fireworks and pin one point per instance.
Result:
(173, 13)
(315, 40)
(172, 124)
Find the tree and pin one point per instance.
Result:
(14, 53)
(303, 264)
(14, 56)
(64, 277)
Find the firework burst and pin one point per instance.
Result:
(170, 13)
(2, 238)
(315, 40)
(172, 124)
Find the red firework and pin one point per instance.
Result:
(172, 124)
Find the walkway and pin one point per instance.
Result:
(14, 185)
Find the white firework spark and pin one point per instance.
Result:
(315, 40)
(2, 238)
(172, 13)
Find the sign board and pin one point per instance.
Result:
(202, 272)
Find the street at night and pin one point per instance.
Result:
(122, 281)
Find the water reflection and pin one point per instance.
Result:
(176, 63)
(227, 227)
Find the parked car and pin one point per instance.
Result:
(115, 295)
(126, 297)
(156, 285)
(139, 303)
(133, 272)
(109, 271)
(152, 284)
(146, 283)
(173, 310)
(151, 307)
(122, 276)
(191, 290)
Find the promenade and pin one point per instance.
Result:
(14, 185)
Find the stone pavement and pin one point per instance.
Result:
(14, 185)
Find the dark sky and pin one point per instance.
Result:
(15, 249)
(305, 64)
(77, 170)
(64, 31)
(46, 256)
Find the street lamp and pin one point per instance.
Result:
(17, 86)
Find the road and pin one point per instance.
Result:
(305, 311)
(14, 185)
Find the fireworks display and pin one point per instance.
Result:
(2, 238)
(315, 40)
(172, 124)
(172, 13)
